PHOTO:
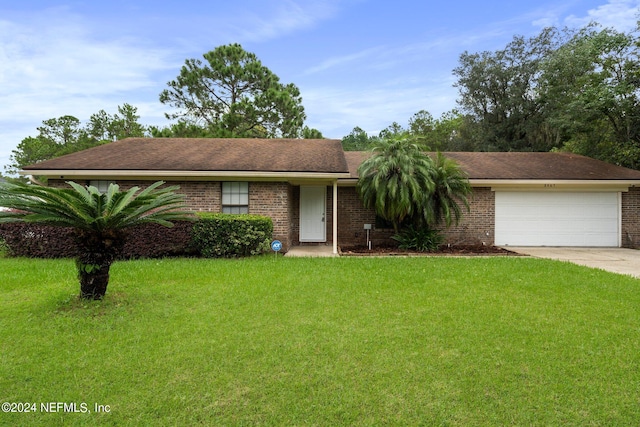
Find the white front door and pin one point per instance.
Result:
(312, 214)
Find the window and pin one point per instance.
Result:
(102, 186)
(235, 197)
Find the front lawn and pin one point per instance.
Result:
(348, 341)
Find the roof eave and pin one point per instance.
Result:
(558, 184)
(185, 175)
(536, 184)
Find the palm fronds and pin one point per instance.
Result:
(88, 209)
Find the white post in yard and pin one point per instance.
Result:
(335, 216)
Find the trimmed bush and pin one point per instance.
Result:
(421, 239)
(157, 241)
(144, 241)
(213, 235)
(38, 241)
(218, 235)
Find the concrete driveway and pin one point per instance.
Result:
(616, 260)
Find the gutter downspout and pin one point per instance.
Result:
(335, 216)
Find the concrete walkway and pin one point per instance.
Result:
(311, 251)
(616, 260)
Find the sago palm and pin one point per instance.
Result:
(99, 220)
(395, 180)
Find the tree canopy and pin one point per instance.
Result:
(394, 180)
(427, 132)
(66, 134)
(234, 95)
(406, 186)
(560, 90)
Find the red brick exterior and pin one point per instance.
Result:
(631, 218)
(272, 199)
(477, 226)
(281, 202)
(352, 216)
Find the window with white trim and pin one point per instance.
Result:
(101, 185)
(235, 197)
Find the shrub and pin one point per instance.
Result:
(4, 248)
(157, 241)
(421, 239)
(143, 241)
(38, 241)
(231, 235)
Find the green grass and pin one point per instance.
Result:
(349, 341)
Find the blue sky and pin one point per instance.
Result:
(362, 63)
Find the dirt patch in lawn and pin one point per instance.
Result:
(458, 250)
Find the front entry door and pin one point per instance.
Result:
(312, 214)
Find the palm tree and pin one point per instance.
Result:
(451, 187)
(99, 220)
(395, 180)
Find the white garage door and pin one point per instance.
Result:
(557, 219)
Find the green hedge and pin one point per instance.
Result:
(231, 235)
(213, 235)
(143, 241)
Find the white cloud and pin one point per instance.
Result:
(336, 111)
(274, 19)
(619, 14)
(339, 61)
(55, 66)
(64, 58)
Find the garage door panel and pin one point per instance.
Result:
(557, 219)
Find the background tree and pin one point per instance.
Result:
(358, 140)
(442, 134)
(499, 92)
(591, 87)
(182, 129)
(55, 137)
(394, 131)
(233, 94)
(124, 124)
(577, 91)
(446, 133)
(99, 220)
(64, 135)
(310, 133)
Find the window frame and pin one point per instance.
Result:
(101, 184)
(234, 197)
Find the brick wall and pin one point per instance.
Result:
(272, 199)
(352, 216)
(265, 198)
(478, 224)
(199, 196)
(476, 227)
(281, 201)
(631, 218)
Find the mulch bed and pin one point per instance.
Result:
(458, 250)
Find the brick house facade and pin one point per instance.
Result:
(278, 172)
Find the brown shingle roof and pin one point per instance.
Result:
(201, 154)
(523, 166)
(312, 156)
(551, 166)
